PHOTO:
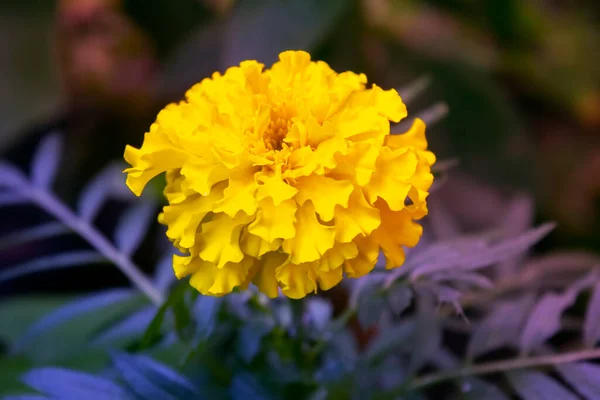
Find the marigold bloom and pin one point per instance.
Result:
(286, 177)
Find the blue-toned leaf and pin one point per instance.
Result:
(11, 176)
(26, 397)
(482, 257)
(390, 339)
(65, 384)
(261, 29)
(72, 310)
(331, 369)
(44, 164)
(502, 327)
(251, 335)
(153, 380)
(110, 182)
(591, 327)
(56, 261)
(533, 385)
(318, 313)
(369, 300)
(246, 387)
(399, 298)
(164, 276)
(39, 232)
(477, 389)
(427, 336)
(130, 328)
(583, 377)
(282, 313)
(205, 312)
(133, 227)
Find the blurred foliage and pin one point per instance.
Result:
(520, 77)
(471, 313)
(522, 82)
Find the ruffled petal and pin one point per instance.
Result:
(297, 280)
(220, 239)
(274, 222)
(312, 238)
(324, 193)
(265, 278)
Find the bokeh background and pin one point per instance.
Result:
(521, 79)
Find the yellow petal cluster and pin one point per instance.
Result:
(286, 177)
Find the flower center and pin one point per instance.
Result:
(278, 128)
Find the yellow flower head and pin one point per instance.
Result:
(286, 177)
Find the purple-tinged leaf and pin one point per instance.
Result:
(108, 183)
(533, 385)
(501, 327)
(591, 327)
(11, 176)
(133, 227)
(414, 89)
(40, 232)
(544, 321)
(442, 223)
(517, 219)
(485, 257)
(13, 199)
(56, 261)
(443, 294)
(467, 279)
(44, 164)
(478, 389)
(164, 276)
(583, 377)
(65, 384)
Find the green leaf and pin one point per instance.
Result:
(176, 303)
(23, 311)
(12, 368)
(68, 333)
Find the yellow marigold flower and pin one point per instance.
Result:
(286, 177)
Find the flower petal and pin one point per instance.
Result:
(274, 222)
(325, 193)
(265, 277)
(220, 239)
(312, 239)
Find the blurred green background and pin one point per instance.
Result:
(521, 79)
